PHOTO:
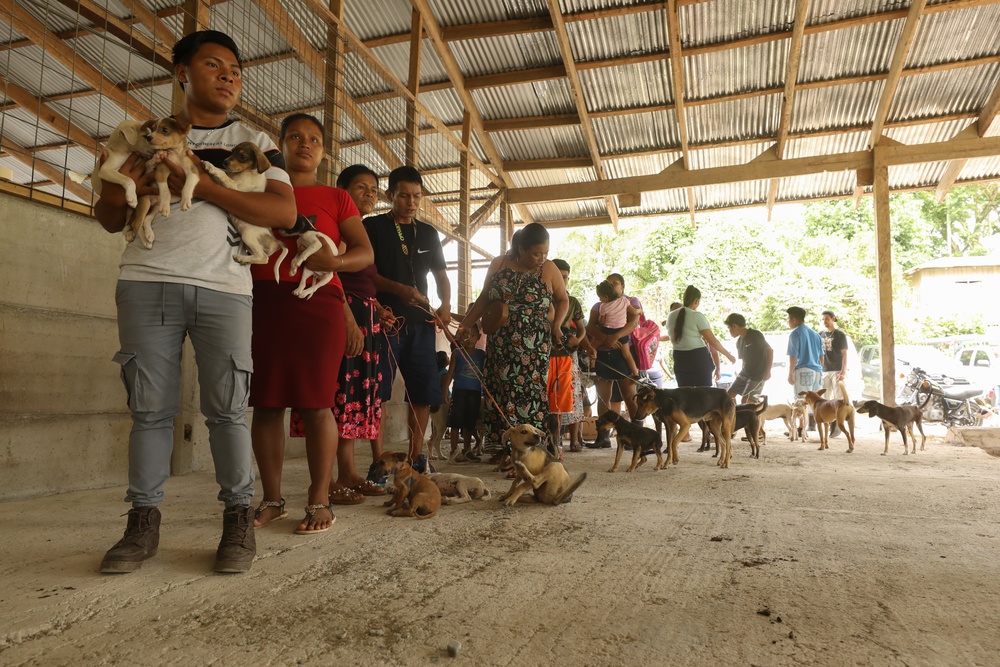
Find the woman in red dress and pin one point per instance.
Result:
(298, 344)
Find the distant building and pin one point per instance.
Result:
(959, 286)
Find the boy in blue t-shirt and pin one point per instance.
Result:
(465, 369)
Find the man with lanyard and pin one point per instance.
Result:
(805, 356)
(834, 359)
(406, 250)
(757, 358)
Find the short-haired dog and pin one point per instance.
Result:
(244, 172)
(125, 139)
(168, 138)
(686, 406)
(309, 241)
(415, 495)
(537, 469)
(900, 418)
(840, 410)
(792, 414)
(638, 438)
(457, 489)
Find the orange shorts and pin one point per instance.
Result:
(560, 385)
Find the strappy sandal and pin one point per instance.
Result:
(266, 505)
(346, 496)
(368, 488)
(310, 511)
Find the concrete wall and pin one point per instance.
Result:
(63, 420)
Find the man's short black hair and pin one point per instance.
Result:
(403, 175)
(831, 314)
(350, 173)
(561, 264)
(797, 312)
(187, 46)
(735, 319)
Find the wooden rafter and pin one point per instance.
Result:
(576, 90)
(989, 112)
(413, 85)
(42, 167)
(895, 69)
(101, 17)
(677, 85)
(48, 115)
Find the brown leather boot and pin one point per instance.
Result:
(238, 545)
(141, 539)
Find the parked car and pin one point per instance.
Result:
(932, 361)
(981, 367)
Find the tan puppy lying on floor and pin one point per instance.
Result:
(457, 489)
(826, 411)
(415, 495)
(537, 469)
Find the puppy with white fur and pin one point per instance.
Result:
(126, 139)
(244, 172)
(309, 241)
(457, 489)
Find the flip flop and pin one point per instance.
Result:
(346, 496)
(368, 488)
(310, 511)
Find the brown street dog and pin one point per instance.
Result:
(415, 495)
(900, 418)
(168, 138)
(537, 470)
(639, 439)
(826, 411)
(686, 406)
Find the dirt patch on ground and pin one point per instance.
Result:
(802, 557)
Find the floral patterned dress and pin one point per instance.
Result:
(517, 356)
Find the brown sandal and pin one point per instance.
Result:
(266, 505)
(346, 496)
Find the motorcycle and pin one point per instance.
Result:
(939, 401)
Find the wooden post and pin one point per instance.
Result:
(412, 118)
(883, 261)
(506, 223)
(464, 207)
(333, 86)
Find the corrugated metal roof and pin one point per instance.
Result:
(53, 16)
(829, 184)
(828, 11)
(445, 104)
(94, 114)
(119, 63)
(723, 20)
(729, 195)
(69, 157)
(636, 132)
(916, 175)
(459, 12)
(627, 86)
(618, 36)
(927, 133)
(727, 156)
(22, 126)
(755, 67)
(852, 51)
(585, 208)
(981, 167)
(738, 119)
(939, 93)
(397, 58)
(538, 98)
(541, 143)
(959, 35)
(539, 177)
(40, 73)
(662, 202)
(247, 24)
(845, 106)
(827, 144)
(478, 57)
(299, 86)
(644, 165)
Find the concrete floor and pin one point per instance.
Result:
(802, 557)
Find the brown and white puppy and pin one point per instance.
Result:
(309, 241)
(825, 411)
(168, 138)
(126, 139)
(457, 489)
(686, 406)
(900, 418)
(244, 172)
(792, 414)
(537, 469)
(415, 495)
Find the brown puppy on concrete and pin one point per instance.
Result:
(901, 418)
(537, 469)
(415, 495)
(826, 411)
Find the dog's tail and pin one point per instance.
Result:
(277, 264)
(843, 393)
(567, 494)
(433, 514)
(486, 494)
(761, 406)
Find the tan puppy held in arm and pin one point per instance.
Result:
(168, 137)
(537, 470)
(126, 139)
(245, 169)
(839, 410)
(457, 489)
(415, 495)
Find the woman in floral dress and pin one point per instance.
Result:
(517, 355)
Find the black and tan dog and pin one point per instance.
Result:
(415, 495)
(748, 415)
(537, 469)
(686, 406)
(639, 439)
(901, 418)
(825, 411)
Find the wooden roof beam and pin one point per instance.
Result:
(989, 112)
(48, 116)
(895, 69)
(47, 170)
(514, 77)
(487, 29)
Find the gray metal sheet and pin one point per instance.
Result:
(829, 184)
(397, 58)
(246, 23)
(729, 195)
(491, 55)
(538, 98)
(727, 156)
(827, 144)
(725, 20)
(642, 165)
(916, 175)
(756, 67)
(662, 202)
(540, 143)
(117, 61)
(618, 36)
(627, 86)
(927, 133)
(460, 12)
(542, 177)
(94, 114)
(634, 132)
(444, 104)
(299, 87)
(844, 106)
(981, 167)
(961, 34)
(736, 119)
(22, 126)
(377, 18)
(855, 51)
(944, 92)
(37, 72)
(828, 11)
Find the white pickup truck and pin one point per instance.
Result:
(983, 368)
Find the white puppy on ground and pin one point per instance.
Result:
(457, 489)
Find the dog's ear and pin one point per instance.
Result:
(181, 125)
(399, 457)
(263, 164)
(821, 392)
(130, 133)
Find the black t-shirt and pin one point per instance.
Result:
(752, 349)
(834, 345)
(425, 255)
